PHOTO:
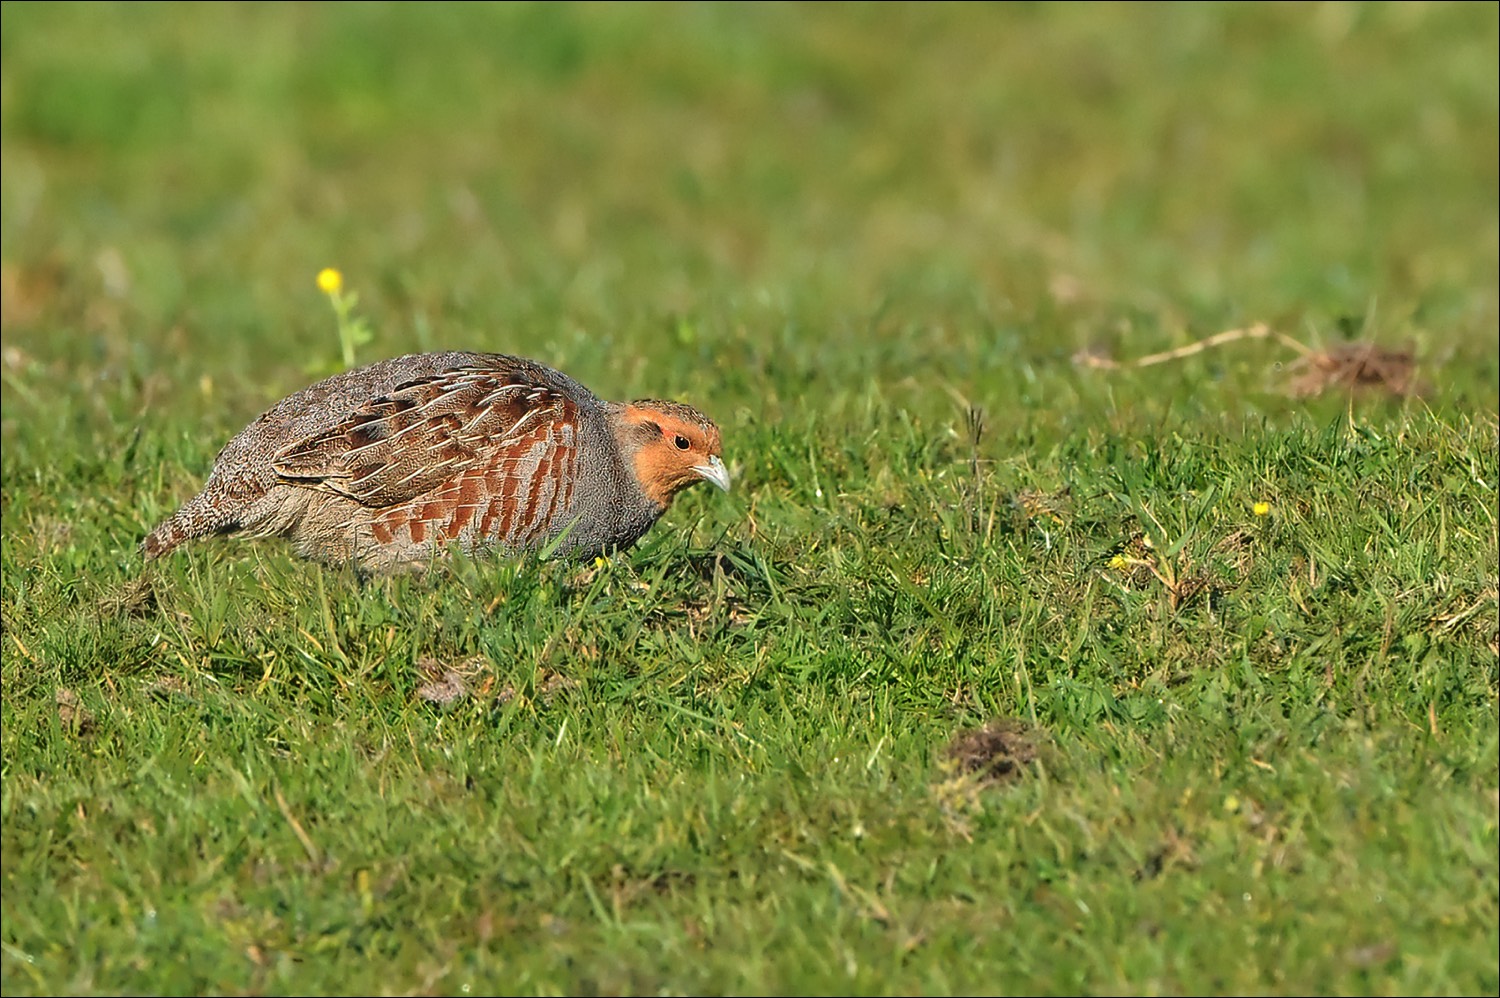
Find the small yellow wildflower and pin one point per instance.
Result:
(353, 330)
(1118, 561)
(1261, 508)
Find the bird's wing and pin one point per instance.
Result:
(435, 431)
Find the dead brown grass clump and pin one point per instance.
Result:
(1355, 366)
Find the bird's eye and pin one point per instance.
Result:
(680, 442)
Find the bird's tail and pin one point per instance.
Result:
(200, 516)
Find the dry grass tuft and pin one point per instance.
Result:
(134, 598)
(1352, 366)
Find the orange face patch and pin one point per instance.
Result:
(680, 440)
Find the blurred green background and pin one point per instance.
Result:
(738, 202)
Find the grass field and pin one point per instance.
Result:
(998, 671)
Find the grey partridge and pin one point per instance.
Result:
(389, 466)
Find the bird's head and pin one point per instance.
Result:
(670, 446)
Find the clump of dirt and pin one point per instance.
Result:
(447, 685)
(1000, 752)
(75, 717)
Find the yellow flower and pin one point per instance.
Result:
(330, 281)
(1261, 508)
(1118, 561)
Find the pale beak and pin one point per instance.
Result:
(715, 472)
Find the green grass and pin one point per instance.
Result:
(1266, 745)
